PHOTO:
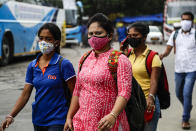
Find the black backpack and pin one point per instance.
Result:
(136, 105)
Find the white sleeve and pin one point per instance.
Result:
(170, 41)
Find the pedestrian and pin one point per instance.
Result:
(183, 42)
(121, 31)
(136, 37)
(49, 109)
(97, 104)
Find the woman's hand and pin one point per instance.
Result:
(106, 123)
(68, 125)
(150, 104)
(6, 123)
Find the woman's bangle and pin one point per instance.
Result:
(152, 96)
(9, 116)
(114, 115)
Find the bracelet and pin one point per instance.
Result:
(152, 96)
(9, 116)
(114, 115)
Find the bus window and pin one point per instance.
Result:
(27, 1)
(51, 3)
(176, 11)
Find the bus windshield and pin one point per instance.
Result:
(175, 9)
(71, 17)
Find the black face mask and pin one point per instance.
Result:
(134, 42)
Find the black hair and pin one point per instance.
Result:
(140, 27)
(55, 31)
(188, 13)
(103, 21)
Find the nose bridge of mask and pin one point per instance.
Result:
(46, 44)
(186, 22)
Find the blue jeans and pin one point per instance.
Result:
(49, 128)
(184, 88)
(152, 125)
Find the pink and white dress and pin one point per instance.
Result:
(97, 91)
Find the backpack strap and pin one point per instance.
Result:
(113, 63)
(149, 59)
(60, 61)
(174, 40)
(60, 67)
(67, 92)
(83, 59)
(195, 36)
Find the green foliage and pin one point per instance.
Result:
(118, 8)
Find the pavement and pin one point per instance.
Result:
(12, 79)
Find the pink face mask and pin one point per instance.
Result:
(98, 43)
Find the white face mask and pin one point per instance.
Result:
(186, 25)
(46, 47)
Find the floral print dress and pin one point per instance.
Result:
(97, 91)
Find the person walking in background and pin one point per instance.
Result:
(136, 37)
(97, 103)
(44, 73)
(121, 31)
(184, 43)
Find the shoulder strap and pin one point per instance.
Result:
(67, 92)
(149, 59)
(195, 34)
(83, 59)
(175, 35)
(60, 62)
(113, 63)
(174, 40)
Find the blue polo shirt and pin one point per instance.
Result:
(49, 107)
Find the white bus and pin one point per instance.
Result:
(172, 14)
(73, 11)
(19, 22)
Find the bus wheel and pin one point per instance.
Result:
(6, 51)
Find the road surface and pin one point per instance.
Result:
(12, 79)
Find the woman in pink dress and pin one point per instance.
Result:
(97, 104)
